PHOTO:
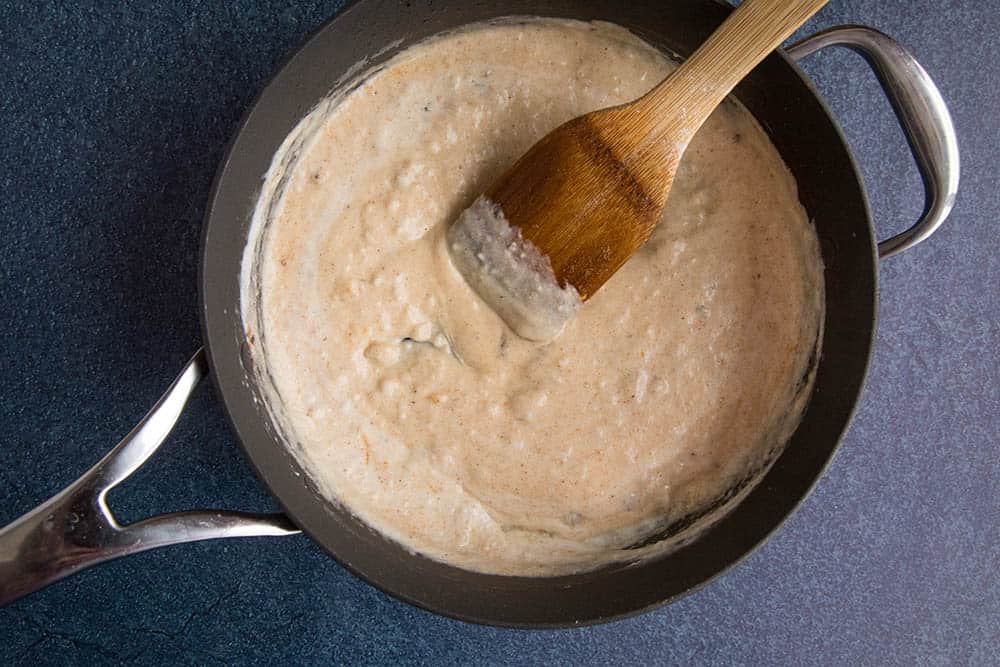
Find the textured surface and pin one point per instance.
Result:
(113, 119)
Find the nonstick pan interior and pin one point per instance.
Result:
(829, 187)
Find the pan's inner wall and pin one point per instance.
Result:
(829, 187)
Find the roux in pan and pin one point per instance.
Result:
(409, 401)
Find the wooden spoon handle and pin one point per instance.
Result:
(751, 32)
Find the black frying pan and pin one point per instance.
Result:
(76, 529)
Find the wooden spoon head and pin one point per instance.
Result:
(586, 197)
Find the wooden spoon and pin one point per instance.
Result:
(590, 193)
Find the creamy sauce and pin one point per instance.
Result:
(407, 398)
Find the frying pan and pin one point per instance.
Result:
(76, 528)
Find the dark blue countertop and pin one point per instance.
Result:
(112, 121)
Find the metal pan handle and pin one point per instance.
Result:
(921, 112)
(76, 529)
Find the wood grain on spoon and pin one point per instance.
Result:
(590, 193)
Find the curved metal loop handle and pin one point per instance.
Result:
(922, 114)
(76, 529)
